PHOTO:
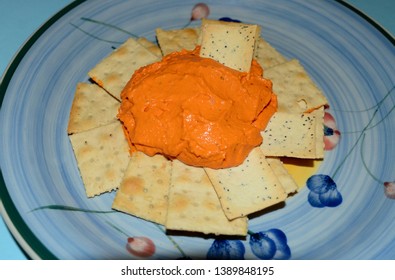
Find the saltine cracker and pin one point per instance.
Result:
(144, 188)
(115, 70)
(266, 55)
(102, 155)
(194, 205)
(296, 91)
(92, 107)
(247, 188)
(177, 39)
(291, 135)
(230, 43)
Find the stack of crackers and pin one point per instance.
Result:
(182, 197)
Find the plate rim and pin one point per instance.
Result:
(26, 239)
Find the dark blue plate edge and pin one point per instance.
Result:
(14, 217)
(372, 22)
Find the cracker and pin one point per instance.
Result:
(266, 55)
(152, 47)
(296, 91)
(194, 205)
(290, 135)
(102, 155)
(247, 188)
(230, 43)
(115, 70)
(319, 132)
(92, 107)
(286, 180)
(177, 39)
(144, 188)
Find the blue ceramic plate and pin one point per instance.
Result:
(347, 210)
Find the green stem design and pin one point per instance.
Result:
(117, 229)
(172, 241)
(359, 137)
(374, 125)
(378, 105)
(364, 162)
(370, 108)
(367, 126)
(110, 26)
(70, 208)
(95, 37)
(188, 24)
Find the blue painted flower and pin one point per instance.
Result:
(228, 19)
(226, 250)
(323, 191)
(270, 245)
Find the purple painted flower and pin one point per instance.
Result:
(389, 189)
(199, 11)
(270, 245)
(226, 250)
(140, 246)
(323, 191)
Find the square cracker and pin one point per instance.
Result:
(102, 155)
(92, 107)
(266, 55)
(291, 135)
(247, 188)
(319, 132)
(177, 39)
(115, 70)
(194, 205)
(152, 47)
(296, 91)
(286, 180)
(230, 43)
(144, 188)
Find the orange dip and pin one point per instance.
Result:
(196, 110)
